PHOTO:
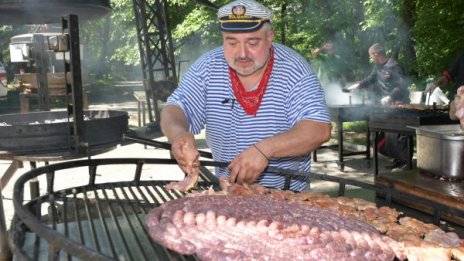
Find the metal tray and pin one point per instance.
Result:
(440, 150)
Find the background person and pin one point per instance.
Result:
(259, 102)
(454, 74)
(330, 67)
(388, 75)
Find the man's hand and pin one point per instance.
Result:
(459, 105)
(185, 152)
(385, 100)
(346, 90)
(247, 166)
(430, 87)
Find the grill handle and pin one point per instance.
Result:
(160, 144)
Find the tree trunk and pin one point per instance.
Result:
(105, 39)
(283, 25)
(407, 14)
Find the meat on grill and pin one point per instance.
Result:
(419, 239)
(193, 173)
(259, 227)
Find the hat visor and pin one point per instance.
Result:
(241, 27)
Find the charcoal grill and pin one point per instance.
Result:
(348, 113)
(56, 140)
(401, 121)
(42, 133)
(105, 220)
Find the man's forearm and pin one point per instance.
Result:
(173, 122)
(442, 81)
(305, 137)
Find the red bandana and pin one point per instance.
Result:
(250, 101)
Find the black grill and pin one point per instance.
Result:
(403, 121)
(106, 220)
(95, 221)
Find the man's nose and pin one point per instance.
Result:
(243, 52)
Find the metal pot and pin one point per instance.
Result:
(440, 150)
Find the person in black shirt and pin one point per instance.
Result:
(388, 74)
(454, 74)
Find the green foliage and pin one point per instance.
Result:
(355, 126)
(439, 35)
(425, 35)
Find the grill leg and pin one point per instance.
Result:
(5, 251)
(410, 150)
(34, 183)
(15, 164)
(340, 145)
(376, 156)
(139, 119)
(368, 144)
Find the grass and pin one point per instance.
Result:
(354, 132)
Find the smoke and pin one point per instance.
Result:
(335, 96)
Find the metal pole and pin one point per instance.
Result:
(5, 251)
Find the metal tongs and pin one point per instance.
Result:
(277, 171)
(274, 170)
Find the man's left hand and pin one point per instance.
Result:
(385, 100)
(247, 166)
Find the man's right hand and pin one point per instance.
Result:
(185, 152)
(346, 90)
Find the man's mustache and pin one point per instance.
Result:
(246, 59)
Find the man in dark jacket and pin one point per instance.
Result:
(454, 75)
(388, 74)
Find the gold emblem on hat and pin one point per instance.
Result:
(238, 10)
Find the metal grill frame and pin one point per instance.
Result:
(28, 216)
(60, 246)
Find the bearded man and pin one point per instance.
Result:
(259, 102)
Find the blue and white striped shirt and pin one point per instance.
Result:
(293, 94)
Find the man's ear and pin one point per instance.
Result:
(270, 35)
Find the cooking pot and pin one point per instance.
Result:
(440, 150)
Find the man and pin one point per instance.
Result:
(260, 103)
(454, 74)
(387, 73)
(330, 67)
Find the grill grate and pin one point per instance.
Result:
(96, 221)
(106, 221)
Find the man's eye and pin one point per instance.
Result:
(253, 43)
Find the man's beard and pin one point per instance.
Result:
(246, 71)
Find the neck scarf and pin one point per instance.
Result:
(251, 100)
